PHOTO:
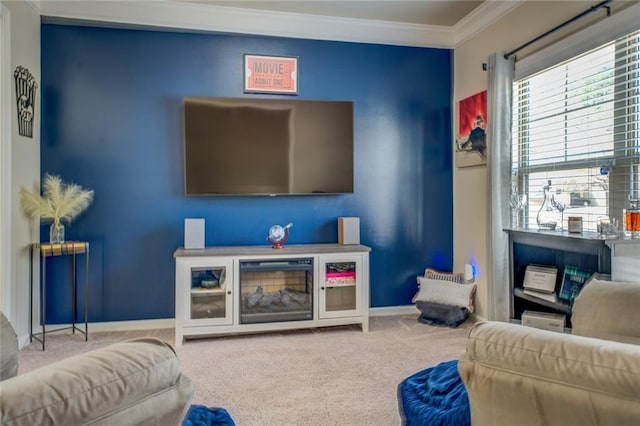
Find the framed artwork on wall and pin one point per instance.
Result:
(471, 141)
(271, 74)
(26, 100)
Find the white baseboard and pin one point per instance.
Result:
(409, 310)
(170, 322)
(393, 310)
(132, 325)
(107, 326)
(476, 318)
(23, 341)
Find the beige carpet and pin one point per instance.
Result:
(336, 376)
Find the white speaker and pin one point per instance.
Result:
(349, 230)
(194, 233)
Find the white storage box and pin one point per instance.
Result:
(544, 320)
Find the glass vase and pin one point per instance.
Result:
(518, 202)
(56, 233)
(548, 215)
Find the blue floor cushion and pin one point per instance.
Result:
(200, 415)
(435, 397)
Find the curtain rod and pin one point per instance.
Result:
(602, 4)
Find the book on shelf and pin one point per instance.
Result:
(549, 297)
(341, 274)
(540, 278)
(573, 280)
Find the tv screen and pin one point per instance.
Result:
(236, 146)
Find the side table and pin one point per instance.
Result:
(71, 248)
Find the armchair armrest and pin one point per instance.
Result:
(522, 375)
(134, 382)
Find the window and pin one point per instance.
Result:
(577, 124)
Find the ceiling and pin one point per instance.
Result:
(424, 12)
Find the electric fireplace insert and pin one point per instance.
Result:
(275, 290)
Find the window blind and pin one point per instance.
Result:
(577, 125)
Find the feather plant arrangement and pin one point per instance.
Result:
(59, 201)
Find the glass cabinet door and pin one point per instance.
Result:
(340, 286)
(210, 293)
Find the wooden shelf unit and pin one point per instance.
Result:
(551, 248)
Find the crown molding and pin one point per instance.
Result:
(34, 4)
(206, 18)
(481, 17)
(174, 15)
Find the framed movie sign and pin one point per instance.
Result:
(271, 74)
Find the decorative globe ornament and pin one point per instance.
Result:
(278, 235)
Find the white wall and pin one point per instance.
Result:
(526, 22)
(21, 164)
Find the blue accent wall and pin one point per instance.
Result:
(112, 122)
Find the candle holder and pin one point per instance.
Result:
(631, 216)
(518, 203)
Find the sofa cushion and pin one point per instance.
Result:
(608, 310)
(441, 315)
(445, 292)
(8, 349)
(454, 277)
(134, 382)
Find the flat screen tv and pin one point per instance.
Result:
(259, 146)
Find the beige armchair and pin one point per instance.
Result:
(526, 376)
(137, 382)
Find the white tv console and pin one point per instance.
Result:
(223, 290)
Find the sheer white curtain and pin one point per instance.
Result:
(499, 115)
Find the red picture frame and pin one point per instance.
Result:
(271, 74)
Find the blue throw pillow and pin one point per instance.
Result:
(200, 415)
